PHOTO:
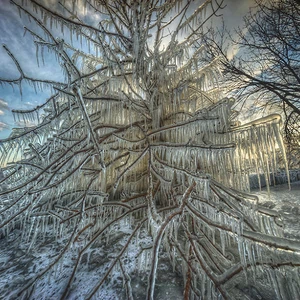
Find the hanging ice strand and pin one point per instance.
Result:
(137, 156)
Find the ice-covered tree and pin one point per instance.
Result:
(139, 137)
(266, 68)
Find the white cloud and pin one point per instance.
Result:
(22, 47)
(3, 105)
(3, 126)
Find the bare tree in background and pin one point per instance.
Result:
(267, 66)
(138, 138)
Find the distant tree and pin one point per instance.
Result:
(138, 137)
(267, 66)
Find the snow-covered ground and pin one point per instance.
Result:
(18, 266)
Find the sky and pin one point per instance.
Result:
(12, 35)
